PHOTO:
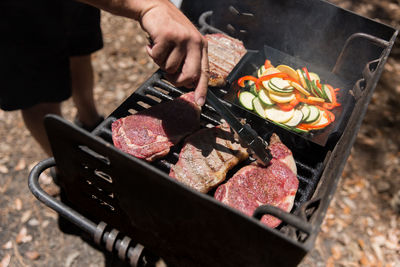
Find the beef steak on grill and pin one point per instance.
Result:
(207, 156)
(149, 134)
(224, 52)
(253, 185)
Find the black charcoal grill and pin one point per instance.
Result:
(126, 204)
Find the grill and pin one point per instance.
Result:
(132, 208)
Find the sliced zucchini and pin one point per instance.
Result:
(277, 115)
(253, 88)
(280, 90)
(314, 114)
(281, 98)
(323, 121)
(296, 119)
(280, 83)
(265, 99)
(301, 78)
(320, 92)
(259, 108)
(260, 71)
(328, 94)
(306, 112)
(275, 90)
(246, 100)
(314, 76)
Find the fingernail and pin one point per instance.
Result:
(200, 101)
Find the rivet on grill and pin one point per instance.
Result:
(230, 28)
(233, 10)
(248, 14)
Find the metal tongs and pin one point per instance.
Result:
(246, 134)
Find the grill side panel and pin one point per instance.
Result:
(184, 227)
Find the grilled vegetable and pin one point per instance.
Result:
(314, 115)
(259, 107)
(265, 99)
(246, 99)
(280, 98)
(289, 71)
(294, 99)
(275, 114)
(296, 119)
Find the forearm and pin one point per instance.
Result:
(134, 9)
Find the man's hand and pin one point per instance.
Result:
(177, 47)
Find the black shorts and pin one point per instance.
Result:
(37, 39)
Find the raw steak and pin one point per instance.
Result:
(253, 185)
(207, 156)
(224, 53)
(149, 134)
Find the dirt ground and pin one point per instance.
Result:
(361, 227)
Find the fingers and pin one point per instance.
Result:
(202, 85)
(160, 52)
(189, 74)
(194, 71)
(174, 60)
(178, 47)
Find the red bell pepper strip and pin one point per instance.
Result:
(267, 64)
(288, 78)
(307, 101)
(307, 74)
(302, 127)
(294, 102)
(285, 107)
(270, 76)
(247, 78)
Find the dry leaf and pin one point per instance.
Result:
(330, 262)
(364, 260)
(336, 252)
(32, 255)
(45, 223)
(25, 216)
(361, 243)
(7, 245)
(45, 179)
(33, 222)
(23, 236)
(5, 261)
(3, 169)
(71, 258)
(18, 204)
(20, 165)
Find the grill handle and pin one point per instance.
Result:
(111, 239)
(284, 216)
(65, 211)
